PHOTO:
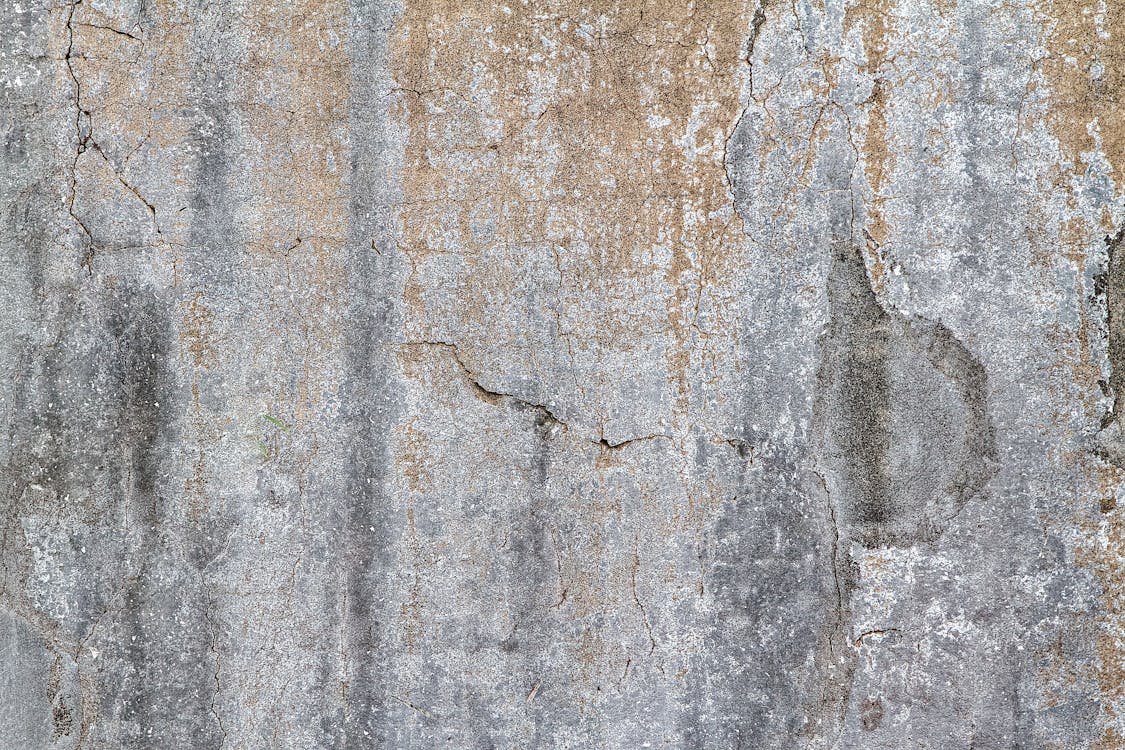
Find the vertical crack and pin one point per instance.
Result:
(637, 599)
(756, 23)
(214, 648)
(82, 135)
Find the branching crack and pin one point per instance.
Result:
(127, 185)
(80, 136)
(83, 130)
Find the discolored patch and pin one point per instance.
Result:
(1085, 70)
(871, 714)
(877, 26)
(1110, 287)
(902, 407)
(589, 136)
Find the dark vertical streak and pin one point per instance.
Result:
(1110, 285)
(860, 337)
(367, 527)
(868, 354)
(168, 553)
(533, 584)
(153, 698)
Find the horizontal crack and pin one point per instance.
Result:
(869, 633)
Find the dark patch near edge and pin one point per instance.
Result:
(860, 331)
(950, 357)
(768, 563)
(877, 370)
(862, 348)
(1110, 286)
(534, 594)
(140, 330)
(172, 703)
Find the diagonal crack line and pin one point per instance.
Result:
(486, 394)
(127, 185)
(878, 631)
(495, 397)
(119, 32)
(637, 599)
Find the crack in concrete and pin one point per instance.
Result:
(494, 397)
(84, 140)
(81, 139)
(637, 598)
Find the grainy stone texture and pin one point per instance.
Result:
(615, 374)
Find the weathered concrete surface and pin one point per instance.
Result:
(562, 375)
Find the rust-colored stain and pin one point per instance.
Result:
(1101, 550)
(138, 80)
(590, 135)
(876, 22)
(1111, 740)
(297, 81)
(195, 333)
(1085, 69)
(298, 73)
(134, 87)
(414, 457)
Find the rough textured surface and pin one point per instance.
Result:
(562, 374)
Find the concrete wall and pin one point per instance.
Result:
(615, 374)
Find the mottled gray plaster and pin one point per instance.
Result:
(476, 375)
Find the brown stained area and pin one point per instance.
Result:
(1085, 70)
(414, 456)
(196, 331)
(134, 83)
(876, 22)
(1102, 550)
(138, 79)
(297, 82)
(1085, 74)
(1111, 740)
(588, 135)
